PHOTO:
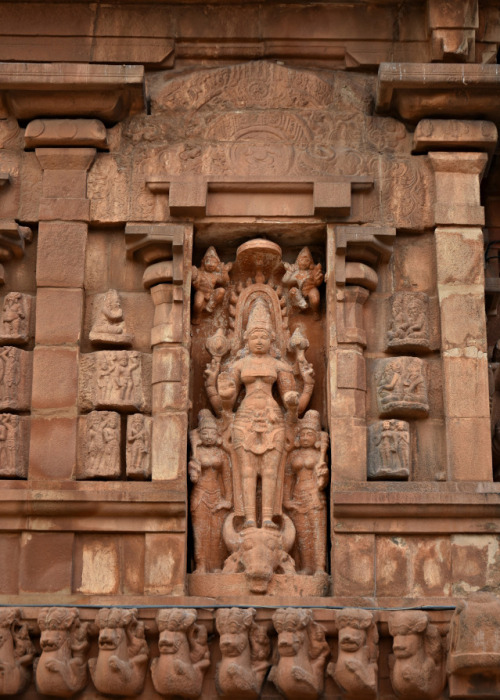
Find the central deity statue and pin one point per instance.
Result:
(258, 395)
(258, 430)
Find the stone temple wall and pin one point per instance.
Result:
(249, 350)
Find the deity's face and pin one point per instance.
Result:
(304, 261)
(259, 341)
(208, 436)
(113, 301)
(210, 263)
(307, 437)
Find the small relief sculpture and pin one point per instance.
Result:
(303, 651)
(209, 281)
(211, 497)
(16, 316)
(409, 325)
(109, 326)
(13, 453)
(356, 670)
(16, 652)
(389, 450)
(115, 379)
(15, 378)
(303, 278)
(184, 655)
(102, 445)
(62, 667)
(306, 478)
(245, 650)
(259, 553)
(120, 667)
(139, 446)
(474, 647)
(401, 387)
(417, 664)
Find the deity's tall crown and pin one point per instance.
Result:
(259, 317)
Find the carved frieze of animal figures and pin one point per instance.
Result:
(16, 652)
(356, 670)
(303, 651)
(62, 667)
(184, 655)
(245, 650)
(259, 553)
(120, 667)
(417, 665)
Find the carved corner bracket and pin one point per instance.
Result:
(108, 92)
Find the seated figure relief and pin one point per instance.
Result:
(409, 325)
(258, 384)
(209, 281)
(109, 325)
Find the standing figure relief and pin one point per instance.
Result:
(258, 384)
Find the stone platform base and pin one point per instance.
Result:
(216, 585)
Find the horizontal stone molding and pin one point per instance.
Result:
(417, 508)
(81, 507)
(103, 91)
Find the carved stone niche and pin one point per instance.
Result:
(258, 458)
(17, 319)
(389, 450)
(408, 329)
(16, 652)
(115, 379)
(99, 435)
(401, 387)
(16, 370)
(14, 446)
(474, 648)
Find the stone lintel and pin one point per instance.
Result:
(418, 90)
(104, 91)
(239, 196)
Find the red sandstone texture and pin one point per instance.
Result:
(249, 350)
